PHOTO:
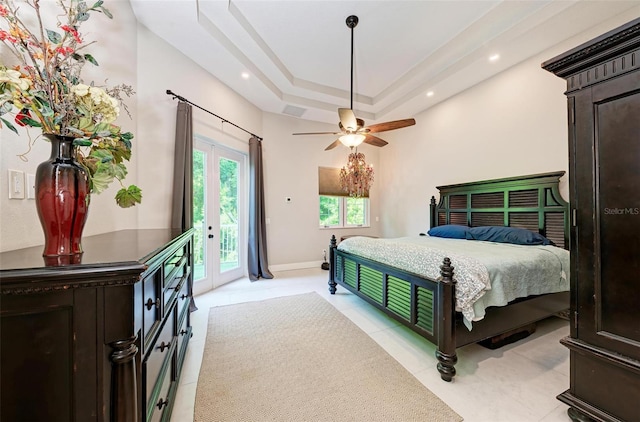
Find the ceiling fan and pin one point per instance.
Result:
(353, 132)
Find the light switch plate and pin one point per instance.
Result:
(16, 184)
(31, 186)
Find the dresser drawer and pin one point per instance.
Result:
(160, 403)
(172, 291)
(159, 357)
(184, 299)
(151, 302)
(174, 265)
(183, 333)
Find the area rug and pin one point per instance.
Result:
(297, 358)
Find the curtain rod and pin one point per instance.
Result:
(181, 98)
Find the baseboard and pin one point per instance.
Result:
(295, 266)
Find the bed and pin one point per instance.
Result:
(422, 295)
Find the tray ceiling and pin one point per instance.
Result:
(296, 54)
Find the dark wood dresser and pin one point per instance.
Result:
(100, 340)
(603, 92)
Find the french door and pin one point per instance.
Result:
(219, 216)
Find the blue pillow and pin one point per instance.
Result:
(451, 231)
(513, 235)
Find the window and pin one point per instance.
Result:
(336, 209)
(343, 211)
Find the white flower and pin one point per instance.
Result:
(13, 77)
(80, 90)
(100, 106)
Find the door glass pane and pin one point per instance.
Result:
(228, 215)
(199, 195)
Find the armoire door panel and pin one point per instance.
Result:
(618, 158)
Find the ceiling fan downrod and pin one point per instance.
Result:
(352, 22)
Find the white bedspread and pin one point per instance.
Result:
(486, 273)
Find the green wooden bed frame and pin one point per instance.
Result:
(428, 306)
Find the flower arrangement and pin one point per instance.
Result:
(45, 90)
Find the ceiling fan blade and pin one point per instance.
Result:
(333, 145)
(317, 133)
(348, 119)
(374, 140)
(395, 124)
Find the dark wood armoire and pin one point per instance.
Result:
(603, 98)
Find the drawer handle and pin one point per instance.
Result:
(150, 303)
(163, 346)
(162, 403)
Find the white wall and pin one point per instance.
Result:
(291, 170)
(162, 67)
(510, 125)
(19, 223)
(140, 59)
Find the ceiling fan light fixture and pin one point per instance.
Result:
(352, 139)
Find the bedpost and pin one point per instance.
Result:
(432, 208)
(446, 352)
(332, 265)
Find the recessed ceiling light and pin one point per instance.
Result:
(494, 58)
(430, 94)
(245, 75)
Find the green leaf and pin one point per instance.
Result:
(129, 197)
(9, 125)
(77, 57)
(120, 153)
(100, 181)
(82, 142)
(54, 37)
(119, 171)
(83, 16)
(6, 107)
(75, 130)
(102, 133)
(106, 12)
(30, 122)
(90, 59)
(46, 110)
(102, 155)
(98, 4)
(127, 136)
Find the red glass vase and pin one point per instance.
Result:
(62, 201)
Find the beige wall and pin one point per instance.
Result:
(510, 125)
(291, 170)
(162, 67)
(19, 224)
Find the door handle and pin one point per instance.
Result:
(210, 236)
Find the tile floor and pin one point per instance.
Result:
(516, 383)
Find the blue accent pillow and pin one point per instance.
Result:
(451, 231)
(512, 235)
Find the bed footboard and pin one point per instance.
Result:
(426, 306)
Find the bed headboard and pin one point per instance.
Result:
(531, 202)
